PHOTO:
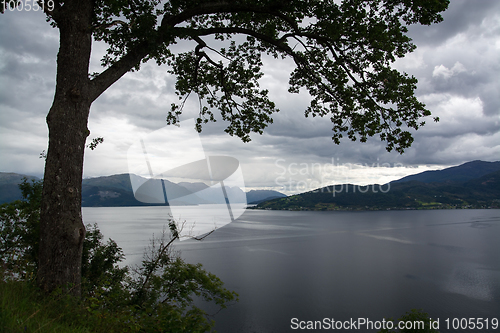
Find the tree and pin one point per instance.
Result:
(342, 54)
(155, 296)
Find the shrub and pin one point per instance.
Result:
(155, 296)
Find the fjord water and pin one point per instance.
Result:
(340, 265)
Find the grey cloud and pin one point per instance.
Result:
(27, 33)
(460, 16)
(490, 95)
(28, 47)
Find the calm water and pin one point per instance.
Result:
(341, 265)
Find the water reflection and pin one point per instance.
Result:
(471, 280)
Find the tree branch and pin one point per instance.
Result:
(217, 7)
(104, 80)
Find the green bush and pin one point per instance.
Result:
(155, 296)
(19, 232)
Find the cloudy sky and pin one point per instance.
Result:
(457, 63)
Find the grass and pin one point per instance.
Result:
(24, 309)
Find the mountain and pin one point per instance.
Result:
(460, 173)
(209, 194)
(116, 191)
(486, 186)
(258, 196)
(474, 184)
(9, 186)
(463, 192)
(109, 191)
(194, 187)
(213, 194)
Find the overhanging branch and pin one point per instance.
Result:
(167, 31)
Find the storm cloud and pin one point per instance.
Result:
(456, 62)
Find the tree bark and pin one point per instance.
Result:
(61, 226)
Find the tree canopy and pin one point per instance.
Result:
(342, 54)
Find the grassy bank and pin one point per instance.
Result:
(23, 309)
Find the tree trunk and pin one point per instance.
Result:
(61, 227)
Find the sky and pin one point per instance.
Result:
(457, 64)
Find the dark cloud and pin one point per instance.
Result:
(456, 63)
(462, 16)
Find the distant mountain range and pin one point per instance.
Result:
(460, 173)
(116, 191)
(474, 184)
(9, 189)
